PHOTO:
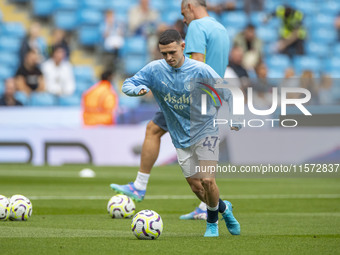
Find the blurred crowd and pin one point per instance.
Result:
(47, 69)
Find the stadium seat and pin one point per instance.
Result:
(232, 32)
(317, 49)
(9, 59)
(133, 63)
(22, 97)
(42, 99)
(89, 17)
(267, 34)
(84, 74)
(98, 5)
(278, 62)
(171, 17)
(135, 45)
(89, 35)
(66, 20)
(257, 18)
(336, 50)
(82, 86)
(174, 5)
(275, 73)
(73, 100)
(332, 65)
(323, 20)
(121, 6)
(330, 7)
(237, 19)
(70, 5)
(159, 5)
(42, 8)
(211, 14)
(6, 72)
(302, 63)
(10, 44)
(306, 7)
(323, 35)
(13, 29)
(2, 87)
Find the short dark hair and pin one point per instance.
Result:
(106, 75)
(170, 36)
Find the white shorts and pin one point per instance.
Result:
(189, 158)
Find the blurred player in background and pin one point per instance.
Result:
(194, 146)
(206, 41)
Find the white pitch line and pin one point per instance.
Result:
(186, 197)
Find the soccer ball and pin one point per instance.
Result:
(4, 208)
(20, 208)
(147, 224)
(121, 206)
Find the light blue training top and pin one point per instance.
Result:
(171, 89)
(209, 37)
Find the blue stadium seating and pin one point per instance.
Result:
(336, 50)
(330, 7)
(2, 88)
(317, 49)
(42, 99)
(89, 35)
(82, 86)
(237, 19)
(275, 73)
(323, 35)
(267, 34)
(73, 100)
(84, 74)
(10, 44)
(121, 6)
(159, 5)
(278, 62)
(6, 72)
(332, 65)
(306, 7)
(232, 32)
(171, 17)
(98, 5)
(9, 59)
(42, 8)
(211, 14)
(89, 17)
(66, 20)
(322, 20)
(135, 45)
(302, 63)
(257, 18)
(22, 97)
(133, 63)
(70, 5)
(13, 29)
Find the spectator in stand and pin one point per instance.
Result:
(308, 82)
(59, 38)
(292, 32)
(253, 6)
(337, 25)
(58, 73)
(236, 70)
(290, 80)
(100, 102)
(8, 98)
(262, 97)
(221, 6)
(142, 19)
(251, 45)
(112, 33)
(29, 76)
(33, 41)
(325, 91)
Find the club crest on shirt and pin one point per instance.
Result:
(187, 86)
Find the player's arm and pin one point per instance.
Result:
(197, 56)
(135, 86)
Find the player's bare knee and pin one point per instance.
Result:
(207, 183)
(154, 130)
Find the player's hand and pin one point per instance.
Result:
(234, 128)
(142, 92)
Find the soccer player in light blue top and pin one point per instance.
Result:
(168, 80)
(207, 41)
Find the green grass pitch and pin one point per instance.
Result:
(277, 216)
